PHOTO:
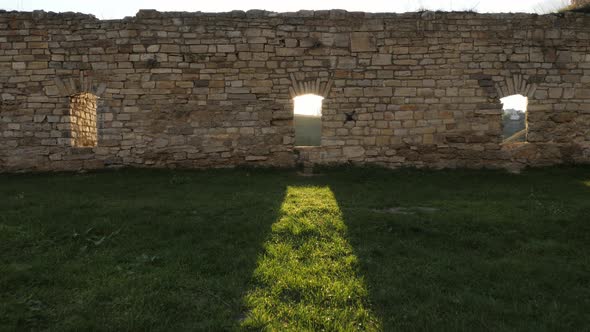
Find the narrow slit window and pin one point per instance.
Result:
(83, 130)
(514, 125)
(308, 120)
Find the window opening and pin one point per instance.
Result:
(308, 120)
(514, 125)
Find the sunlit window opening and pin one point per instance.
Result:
(310, 105)
(514, 118)
(308, 120)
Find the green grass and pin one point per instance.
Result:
(221, 250)
(308, 277)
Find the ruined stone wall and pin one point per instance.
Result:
(215, 90)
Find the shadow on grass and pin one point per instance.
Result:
(490, 251)
(132, 250)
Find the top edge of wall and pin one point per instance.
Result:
(255, 13)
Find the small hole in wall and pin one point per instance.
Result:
(308, 120)
(514, 125)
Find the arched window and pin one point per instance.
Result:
(514, 126)
(308, 120)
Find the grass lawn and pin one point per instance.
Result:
(352, 249)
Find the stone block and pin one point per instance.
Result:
(519, 57)
(19, 65)
(452, 92)
(582, 94)
(346, 63)
(51, 90)
(170, 48)
(257, 40)
(400, 50)
(353, 151)
(247, 131)
(378, 92)
(410, 62)
(362, 42)
(404, 115)
(425, 92)
(353, 92)
(226, 48)
(154, 48)
(37, 65)
(313, 63)
(256, 158)
(555, 93)
(284, 51)
(199, 48)
(100, 50)
(381, 60)
(405, 92)
(568, 93)
(37, 45)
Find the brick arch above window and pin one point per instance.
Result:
(516, 85)
(84, 83)
(317, 87)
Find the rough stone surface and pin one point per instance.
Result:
(199, 90)
(82, 119)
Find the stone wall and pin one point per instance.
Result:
(215, 90)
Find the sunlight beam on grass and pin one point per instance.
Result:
(307, 278)
(587, 183)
